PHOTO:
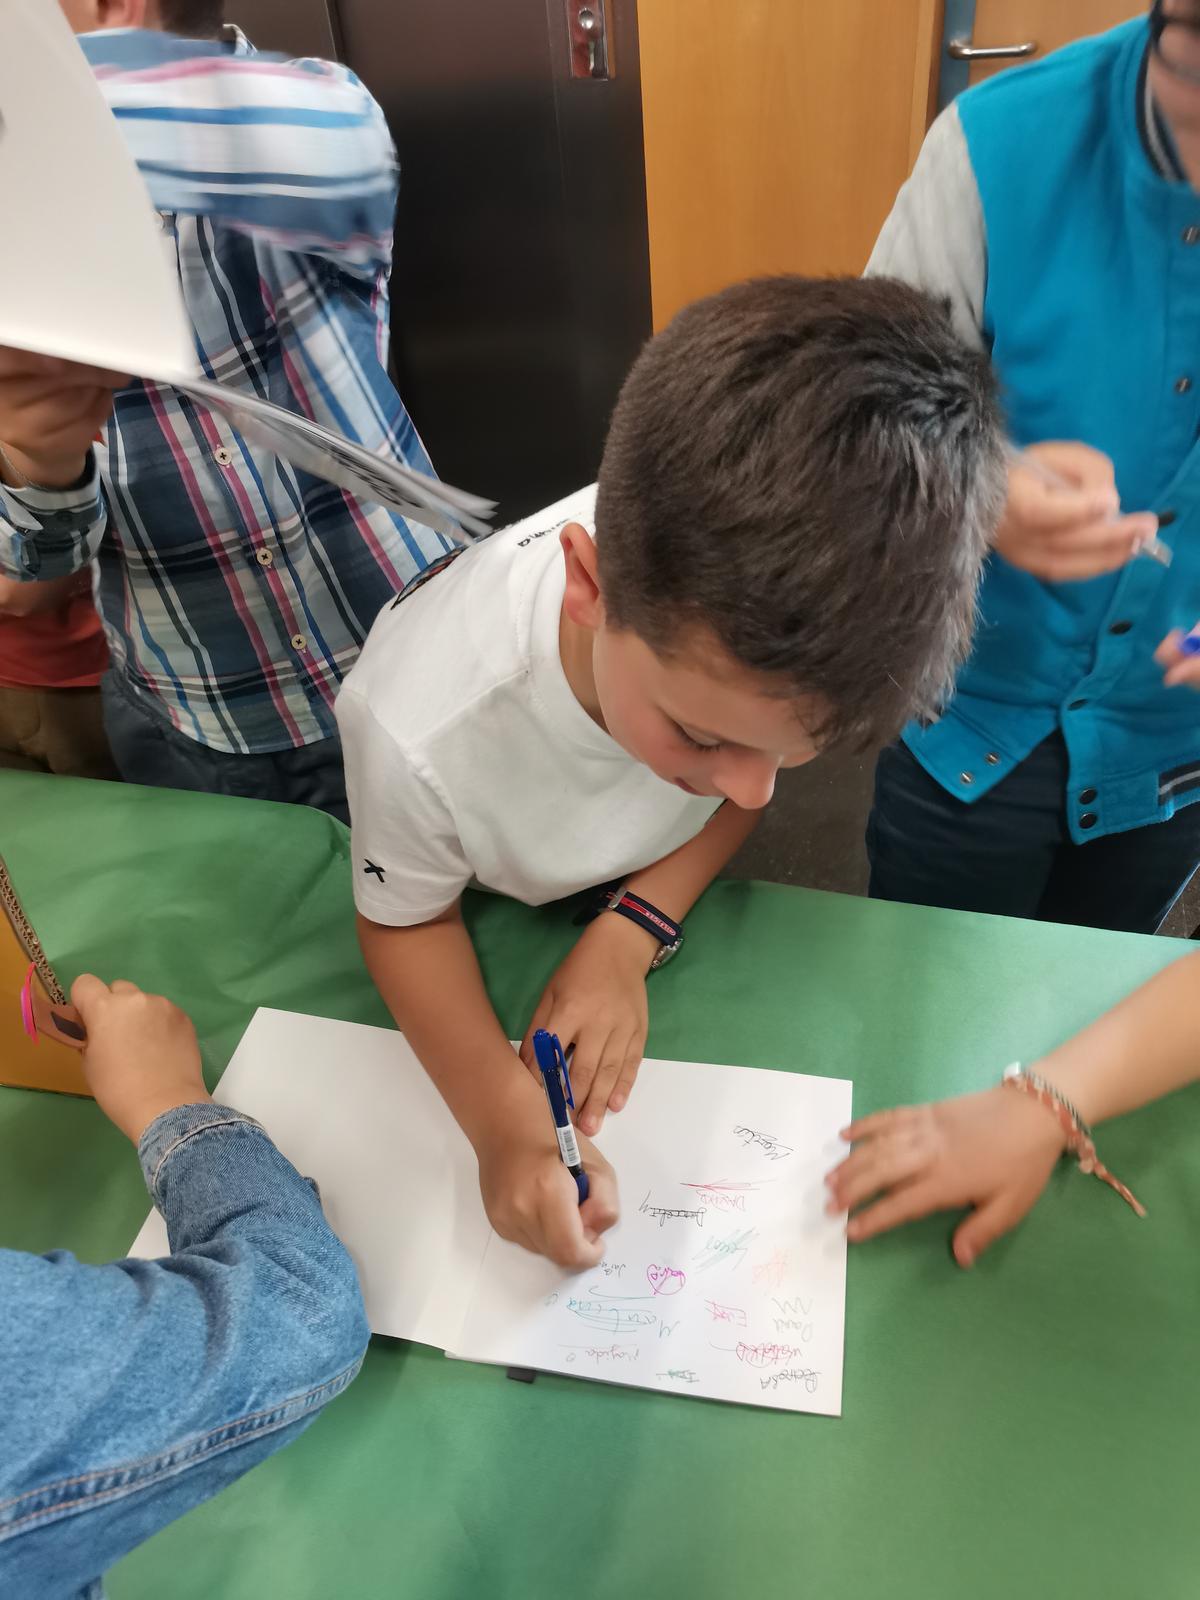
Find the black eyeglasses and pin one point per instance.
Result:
(1159, 24)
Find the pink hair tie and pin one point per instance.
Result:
(28, 1020)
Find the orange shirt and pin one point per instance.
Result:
(62, 649)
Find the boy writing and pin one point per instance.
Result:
(796, 496)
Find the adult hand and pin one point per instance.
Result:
(50, 412)
(1063, 522)
(141, 1057)
(596, 1004)
(993, 1151)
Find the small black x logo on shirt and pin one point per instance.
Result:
(372, 870)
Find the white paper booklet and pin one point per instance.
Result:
(723, 1278)
(91, 281)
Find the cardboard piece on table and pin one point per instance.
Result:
(50, 1059)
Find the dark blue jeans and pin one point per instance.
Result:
(1011, 851)
(148, 749)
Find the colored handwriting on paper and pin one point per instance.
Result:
(665, 1280)
(612, 1354)
(725, 1313)
(772, 1270)
(729, 1251)
(725, 1195)
(611, 1318)
(804, 1375)
(666, 1329)
(764, 1355)
(766, 1142)
(667, 1214)
(680, 1375)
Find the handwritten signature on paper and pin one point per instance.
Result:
(766, 1142)
(804, 1375)
(665, 1280)
(794, 1307)
(765, 1355)
(720, 1199)
(724, 1195)
(730, 1250)
(612, 1269)
(667, 1214)
(680, 1375)
(793, 1325)
(773, 1270)
(613, 1353)
(612, 1319)
(725, 1313)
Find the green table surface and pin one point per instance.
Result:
(1026, 1429)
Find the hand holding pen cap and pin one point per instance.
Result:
(1063, 520)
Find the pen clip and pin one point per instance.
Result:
(564, 1071)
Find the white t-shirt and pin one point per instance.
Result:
(469, 757)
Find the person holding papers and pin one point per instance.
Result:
(236, 591)
(134, 1391)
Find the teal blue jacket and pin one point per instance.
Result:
(1037, 208)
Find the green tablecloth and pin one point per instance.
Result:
(1027, 1429)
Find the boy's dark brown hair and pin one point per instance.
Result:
(810, 470)
(192, 19)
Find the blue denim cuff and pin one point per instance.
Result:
(168, 1133)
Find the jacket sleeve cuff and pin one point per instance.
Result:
(168, 1134)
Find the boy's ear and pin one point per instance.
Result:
(582, 601)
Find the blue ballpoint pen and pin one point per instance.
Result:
(1189, 645)
(552, 1065)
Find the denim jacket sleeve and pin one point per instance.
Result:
(133, 1391)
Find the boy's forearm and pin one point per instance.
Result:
(1144, 1048)
(675, 883)
(430, 979)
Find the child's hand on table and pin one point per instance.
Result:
(532, 1199)
(993, 1151)
(596, 1003)
(141, 1057)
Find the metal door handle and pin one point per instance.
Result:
(964, 50)
(588, 38)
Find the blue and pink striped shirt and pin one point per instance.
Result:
(237, 590)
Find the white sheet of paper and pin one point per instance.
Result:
(352, 1107)
(723, 1279)
(83, 273)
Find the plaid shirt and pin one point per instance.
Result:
(236, 591)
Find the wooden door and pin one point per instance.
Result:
(1050, 23)
(777, 133)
